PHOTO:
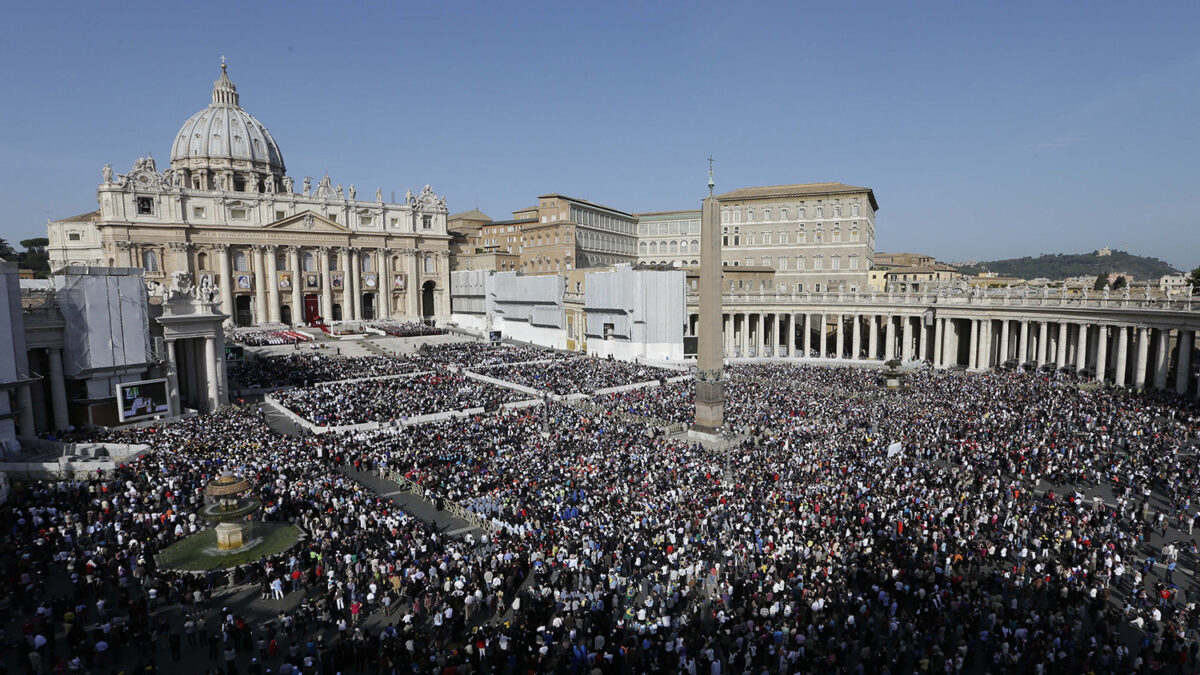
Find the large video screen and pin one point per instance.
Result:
(142, 400)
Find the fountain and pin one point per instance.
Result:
(229, 509)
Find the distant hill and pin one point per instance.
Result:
(1057, 266)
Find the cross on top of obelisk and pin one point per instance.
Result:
(711, 183)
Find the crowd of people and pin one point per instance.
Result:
(391, 400)
(480, 354)
(302, 369)
(397, 328)
(265, 334)
(578, 374)
(990, 522)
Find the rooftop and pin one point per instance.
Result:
(585, 202)
(652, 214)
(798, 190)
(473, 214)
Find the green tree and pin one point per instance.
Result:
(1193, 280)
(1119, 283)
(1101, 281)
(36, 245)
(6, 250)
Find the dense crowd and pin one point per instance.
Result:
(477, 354)
(393, 399)
(1000, 523)
(397, 328)
(265, 334)
(578, 374)
(302, 369)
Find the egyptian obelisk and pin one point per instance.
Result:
(710, 380)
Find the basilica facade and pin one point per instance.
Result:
(227, 213)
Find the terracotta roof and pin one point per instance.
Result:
(83, 217)
(583, 201)
(473, 214)
(798, 190)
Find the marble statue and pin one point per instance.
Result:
(338, 191)
(307, 185)
(378, 194)
(353, 191)
(106, 172)
(289, 185)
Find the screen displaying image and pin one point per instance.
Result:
(142, 400)
(234, 353)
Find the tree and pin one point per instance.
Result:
(1193, 280)
(6, 250)
(1119, 283)
(36, 245)
(1101, 281)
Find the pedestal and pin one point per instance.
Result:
(229, 536)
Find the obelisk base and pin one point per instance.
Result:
(710, 407)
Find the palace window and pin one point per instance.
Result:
(241, 262)
(197, 211)
(854, 210)
(73, 236)
(818, 263)
(145, 206)
(836, 262)
(853, 262)
(280, 215)
(237, 214)
(150, 261)
(366, 221)
(428, 262)
(783, 263)
(820, 212)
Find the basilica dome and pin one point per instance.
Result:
(225, 140)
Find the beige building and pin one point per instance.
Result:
(909, 273)
(572, 233)
(227, 213)
(669, 238)
(816, 236)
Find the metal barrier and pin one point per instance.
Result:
(412, 487)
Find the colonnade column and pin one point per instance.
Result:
(973, 350)
(808, 335)
(779, 334)
(1101, 351)
(260, 285)
(872, 338)
(949, 356)
(226, 280)
(1143, 353)
(326, 284)
(1061, 346)
(744, 341)
(1162, 360)
(841, 336)
(906, 351)
(297, 297)
(889, 338)
(210, 369)
(1081, 348)
(353, 283)
(727, 334)
(1003, 342)
(939, 328)
(1043, 339)
(1183, 368)
(172, 379)
(1122, 336)
(272, 284)
(26, 425)
(1023, 346)
(58, 389)
(856, 337)
(922, 339)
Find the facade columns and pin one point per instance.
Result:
(353, 283)
(326, 285)
(922, 339)
(344, 266)
(1162, 360)
(26, 424)
(822, 336)
(172, 380)
(1061, 346)
(728, 335)
(414, 284)
(1101, 351)
(1184, 365)
(383, 285)
(744, 341)
(949, 334)
(272, 284)
(225, 270)
(260, 286)
(58, 389)
(1143, 353)
(808, 335)
(779, 343)
(297, 294)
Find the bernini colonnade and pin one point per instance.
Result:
(1133, 342)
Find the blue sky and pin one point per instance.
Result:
(986, 129)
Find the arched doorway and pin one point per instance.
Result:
(242, 315)
(337, 312)
(427, 300)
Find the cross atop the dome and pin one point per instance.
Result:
(222, 63)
